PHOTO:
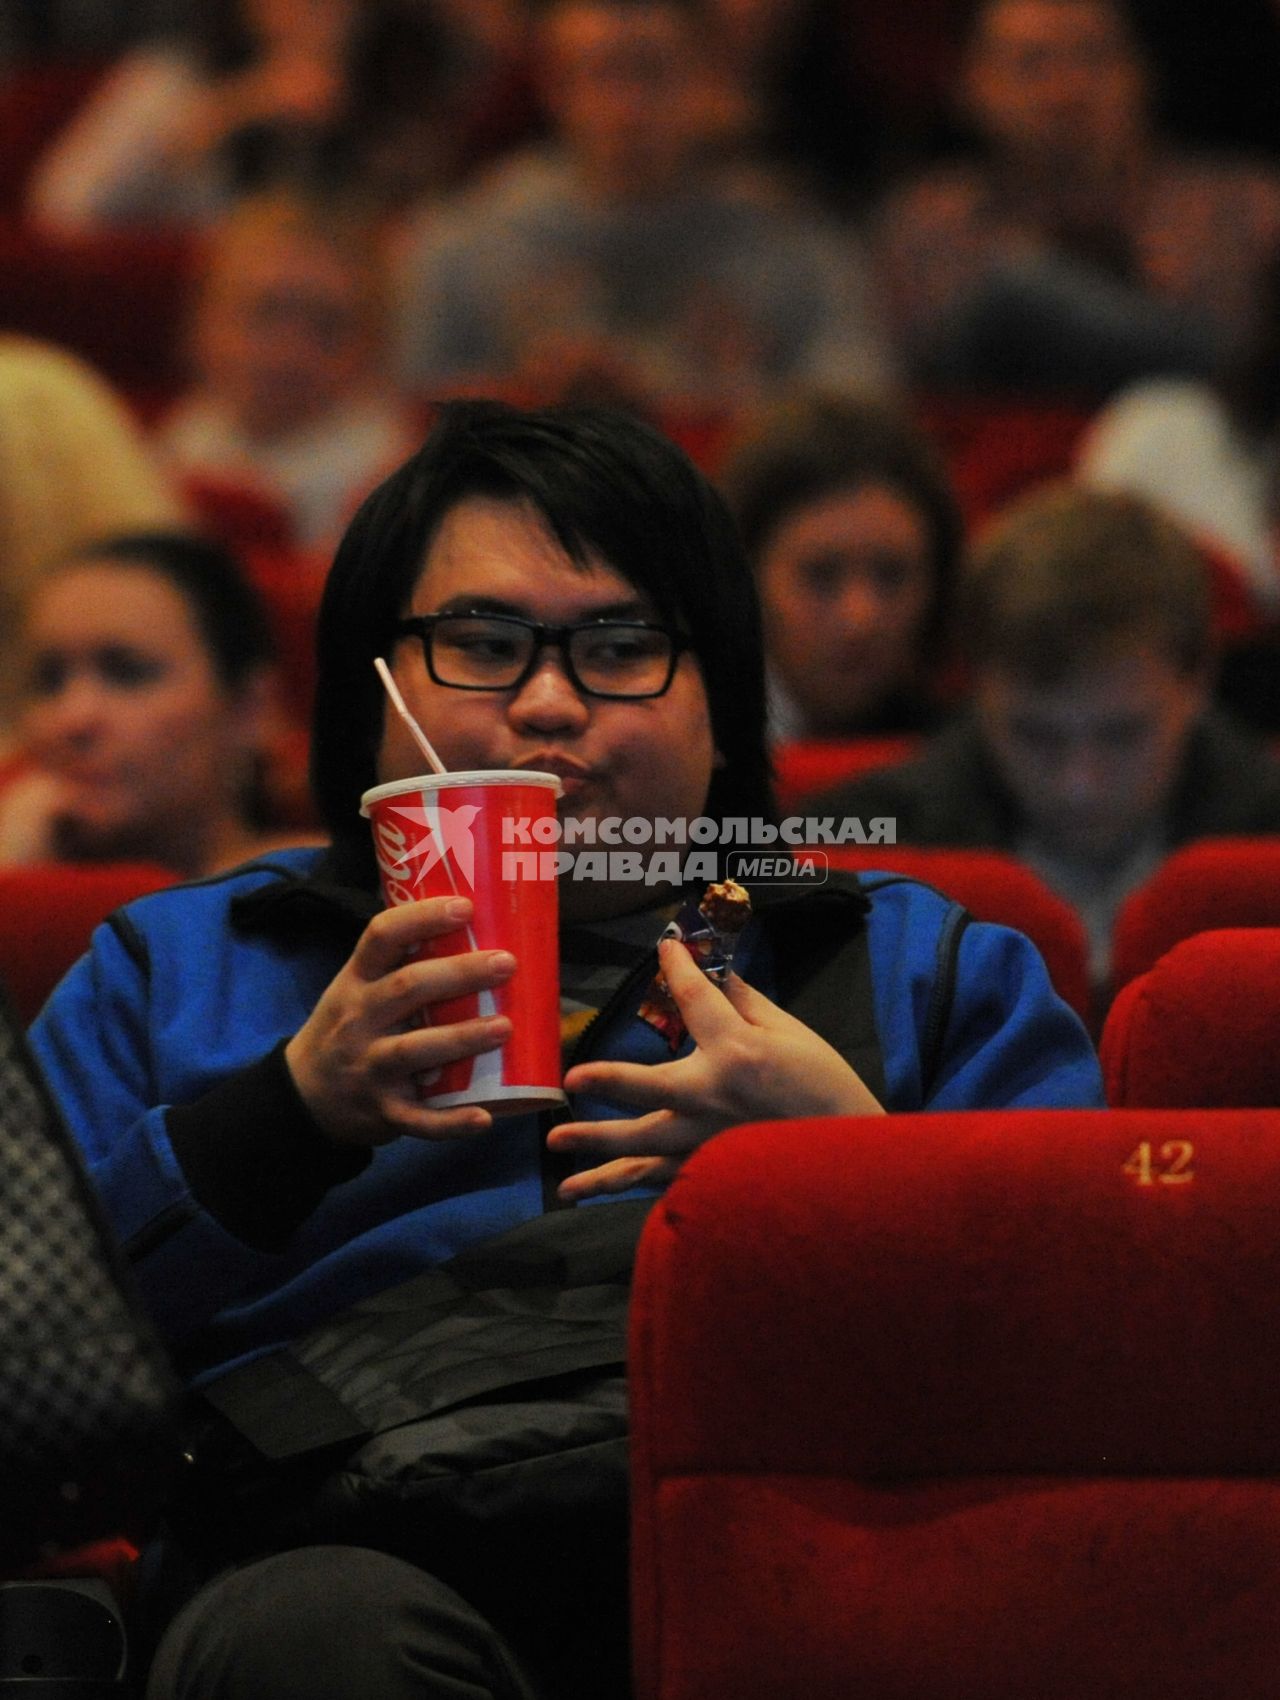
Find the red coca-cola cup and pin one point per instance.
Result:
(457, 835)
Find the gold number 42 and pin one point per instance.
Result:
(1167, 1165)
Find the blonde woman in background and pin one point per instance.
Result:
(74, 465)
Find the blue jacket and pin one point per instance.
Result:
(174, 1007)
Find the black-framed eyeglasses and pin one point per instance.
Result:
(623, 659)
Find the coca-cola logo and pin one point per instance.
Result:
(409, 838)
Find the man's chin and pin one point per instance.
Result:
(575, 796)
(581, 802)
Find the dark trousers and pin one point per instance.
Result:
(341, 1623)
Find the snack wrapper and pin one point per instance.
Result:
(709, 930)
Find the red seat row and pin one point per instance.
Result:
(1201, 1027)
(46, 914)
(961, 1407)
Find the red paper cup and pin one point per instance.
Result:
(442, 835)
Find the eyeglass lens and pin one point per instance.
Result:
(492, 653)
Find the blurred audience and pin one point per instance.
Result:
(289, 340)
(1091, 747)
(146, 709)
(853, 532)
(74, 464)
(1078, 251)
(788, 91)
(1208, 453)
(378, 94)
(622, 259)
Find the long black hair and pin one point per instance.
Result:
(606, 485)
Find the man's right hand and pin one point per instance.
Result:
(357, 1060)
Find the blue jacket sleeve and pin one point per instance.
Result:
(966, 1013)
(93, 1041)
(1010, 1041)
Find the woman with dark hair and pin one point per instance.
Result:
(145, 708)
(240, 1059)
(854, 536)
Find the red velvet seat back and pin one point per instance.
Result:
(1211, 884)
(803, 766)
(119, 301)
(995, 448)
(962, 1407)
(1202, 1028)
(238, 515)
(290, 582)
(993, 887)
(48, 912)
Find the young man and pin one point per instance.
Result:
(1078, 250)
(1091, 747)
(240, 1061)
(621, 254)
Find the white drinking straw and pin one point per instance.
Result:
(401, 707)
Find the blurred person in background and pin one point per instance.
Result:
(337, 93)
(1208, 452)
(620, 255)
(1091, 747)
(146, 709)
(291, 397)
(74, 465)
(854, 534)
(1077, 251)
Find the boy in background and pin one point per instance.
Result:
(1091, 747)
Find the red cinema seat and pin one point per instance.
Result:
(48, 912)
(1202, 1028)
(119, 300)
(992, 887)
(290, 582)
(961, 1407)
(239, 516)
(1208, 885)
(997, 448)
(804, 766)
